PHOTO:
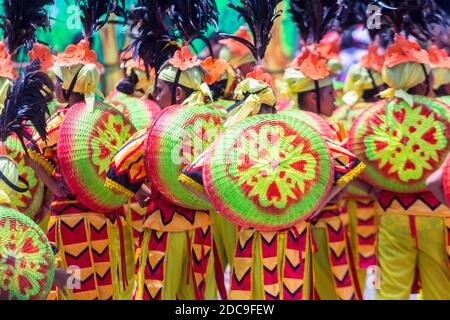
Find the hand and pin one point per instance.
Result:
(60, 280)
(59, 188)
(143, 197)
(41, 214)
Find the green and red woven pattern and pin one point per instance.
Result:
(446, 179)
(141, 112)
(268, 172)
(177, 137)
(400, 145)
(313, 120)
(30, 201)
(26, 258)
(445, 99)
(86, 143)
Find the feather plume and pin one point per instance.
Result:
(314, 18)
(27, 104)
(95, 13)
(152, 42)
(260, 16)
(190, 18)
(20, 21)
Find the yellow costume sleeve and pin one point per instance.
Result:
(44, 152)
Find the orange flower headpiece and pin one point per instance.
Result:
(403, 51)
(215, 69)
(438, 57)
(238, 49)
(184, 59)
(311, 63)
(372, 60)
(43, 54)
(6, 64)
(78, 54)
(330, 45)
(259, 73)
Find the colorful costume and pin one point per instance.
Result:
(358, 205)
(90, 242)
(333, 274)
(175, 258)
(413, 228)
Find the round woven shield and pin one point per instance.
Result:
(446, 179)
(312, 119)
(86, 143)
(26, 258)
(141, 112)
(445, 99)
(400, 144)
(176, 138)
(30, 201)
(268, 172)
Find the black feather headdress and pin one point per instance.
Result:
(314, 18)
(95, 13)
(26, 104)
(412, 17)
(260, 16)
(190, 19)
(20, 21)
(152, 42)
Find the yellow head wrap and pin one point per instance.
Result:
(357, 81)
(145, 83)
(294, 82)
(192, 78)
(255, 93)
(441, 76)
(81, 62)
(403, 68)
(88, 77)
(401, 78)
(8, 168)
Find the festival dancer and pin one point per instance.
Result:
(361, 87)
(259, 270)
(440, 68)
(169, 257)
(309, 85)
(85, 240)
(412, 231)
(236, 53)
(400, 155)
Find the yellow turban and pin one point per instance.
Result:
(88, 77)
(255, 93)
(145, 83)
(403, 77)
(357, 81)
(295, 82)
(8, 168)
(192, 78)
(441, 77)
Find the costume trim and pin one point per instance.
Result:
(343, 181)
(38, 158)
(118, 188)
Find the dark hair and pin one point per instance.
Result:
(218, 89)
(128, 85)
(370, 93)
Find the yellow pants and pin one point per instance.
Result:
(398, 256)
(176, 284)
(225, 236)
